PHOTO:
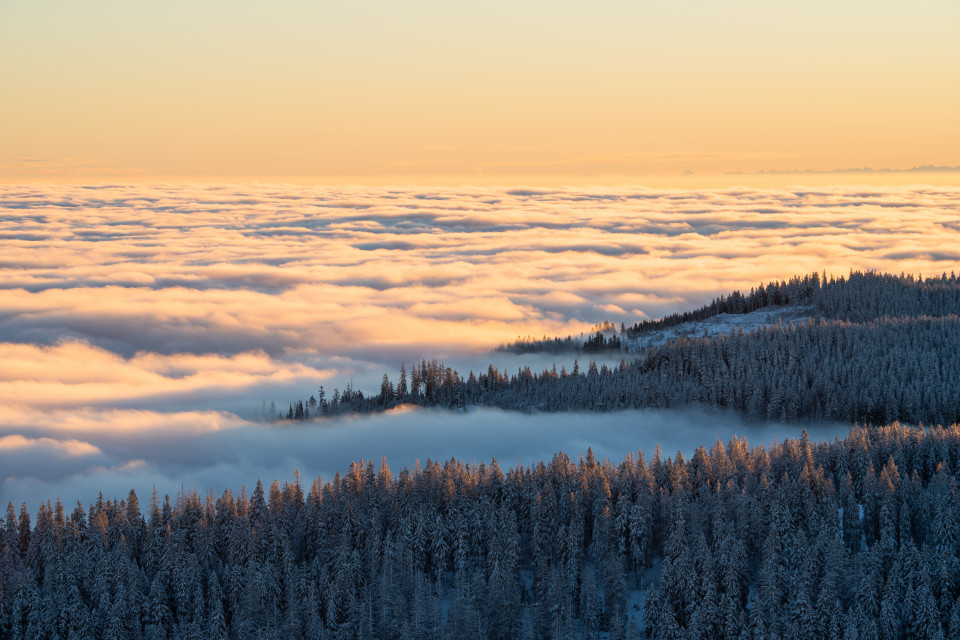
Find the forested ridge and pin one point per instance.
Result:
(603, 337)
(879, 348)
(856, 538)
(860, 297)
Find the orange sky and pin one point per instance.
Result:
(493, 92)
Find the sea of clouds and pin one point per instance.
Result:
(141, 323)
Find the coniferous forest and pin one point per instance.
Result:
(858, 538)
(851, 539)
(874, 349)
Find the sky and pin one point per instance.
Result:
(493, 92)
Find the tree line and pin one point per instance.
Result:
(856, 538)
(603, 337)
(891, 353)
(860, 297)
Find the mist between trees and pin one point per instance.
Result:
(855, 538)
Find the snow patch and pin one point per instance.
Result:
(721, 324)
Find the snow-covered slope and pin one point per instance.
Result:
(725, 323)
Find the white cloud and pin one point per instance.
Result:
(140, 321)
(403, 272)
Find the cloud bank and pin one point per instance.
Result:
(357, 271)
(162, 309)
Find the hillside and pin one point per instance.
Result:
(870, 348)
(860, 297)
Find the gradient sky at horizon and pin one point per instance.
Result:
(492, 92)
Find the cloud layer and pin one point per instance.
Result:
(190, 305)
(173, 269)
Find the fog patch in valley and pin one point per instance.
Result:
(74, 456)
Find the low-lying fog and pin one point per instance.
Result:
(76, 455)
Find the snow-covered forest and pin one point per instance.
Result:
(877, 348)
(856, 538)
(861, 297)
